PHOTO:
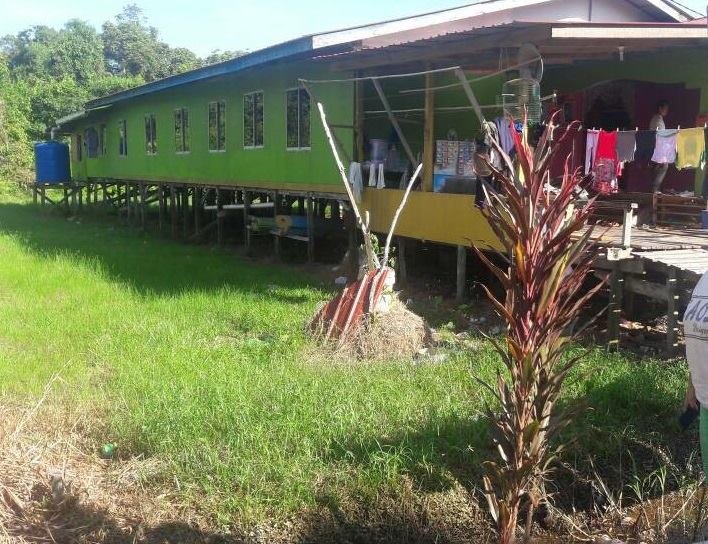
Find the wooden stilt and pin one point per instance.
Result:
(247, 220)
(43, 199)
(173, 210)
(614, 308)
(197, 206)
(160, 207)
(401, 267)
(66, 198)
(353, 246)
(310, 204)
(185, 212)
(461, 274)
(276, 233)
(671, 312)
(219, 218)
(34, 194)
(142, 205)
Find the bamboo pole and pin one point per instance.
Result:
(396, 215)
(373, 261)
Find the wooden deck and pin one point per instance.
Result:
(652, 238)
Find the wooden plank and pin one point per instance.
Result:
(654, 291)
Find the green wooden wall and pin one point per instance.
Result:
(272, 164)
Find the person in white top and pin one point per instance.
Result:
(658, 123)
(695, 325)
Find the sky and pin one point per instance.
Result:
(206, 25)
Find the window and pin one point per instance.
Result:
(181, 130)
(253, 119)
(297, 105)
(102, 137)
(122, 138)
(217, 126)
(91, 138)
(150, 134)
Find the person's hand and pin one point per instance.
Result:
(690, 400)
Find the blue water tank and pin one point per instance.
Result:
(51, 162)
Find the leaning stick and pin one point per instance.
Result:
(394, 221)
(373, 261)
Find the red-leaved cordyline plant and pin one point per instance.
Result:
(547, 245)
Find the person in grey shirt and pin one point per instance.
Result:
(657, 123)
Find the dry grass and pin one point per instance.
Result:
(397, 333)
(54, 487)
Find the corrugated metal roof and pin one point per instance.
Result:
(688, 260)
(348, 37)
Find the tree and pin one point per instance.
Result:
(77, 53)
(218, 55)
(132, 47)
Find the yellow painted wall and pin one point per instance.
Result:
(433, 217)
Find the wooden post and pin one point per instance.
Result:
(671, 312)
(359, 120)
(34, 193)
(219, 219)
(246, 220)
(461, 273)
(276, 233)
(142, 206)
(401, 267)
(173, 210)
(353, 247)
(185, 212)
(394, 121)
(429, 135)
(310, 202)
(66, 198)
(43, 199)
(160, 207)
(614, 309)
(197, 206)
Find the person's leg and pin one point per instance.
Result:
(703, 433)
(659, 175)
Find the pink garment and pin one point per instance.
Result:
(665, 149)
(605, 166)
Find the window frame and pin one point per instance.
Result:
(123, 138)
(78, 152)
(243, 119)
(153, 132)
(102, 140)
(217, 102)
(185, 139)
(299, 147)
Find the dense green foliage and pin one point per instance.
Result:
(47, 73)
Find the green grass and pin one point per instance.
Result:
(199, 358)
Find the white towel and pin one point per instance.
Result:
(356, 181)
(372, 174)
(380, 182)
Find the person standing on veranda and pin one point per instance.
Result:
(658, 122)
(695, 324)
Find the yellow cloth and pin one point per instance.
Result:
(690, 148)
